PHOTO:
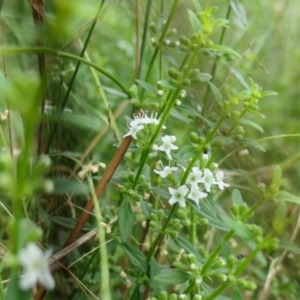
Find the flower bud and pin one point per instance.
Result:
(194, 137)
(197, 297)
(235, 210)
(153, 28)
(173, 297)
(182, 297)
(163, 295)
(243, 208)
(173, 234)
(153, 224)
(231, 260)
(194, 73)
(220, 277)
(131, 177)
(153, 41)
(191, 258)
(181, 213)
(198, 280)
(186, 82)
(203, 221)
(160, 214)
(220, 263)
(122, 189)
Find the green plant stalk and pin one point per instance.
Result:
(144, 37)
(103, 96)
(161, 234)
(105, 286)
(164, 32)
(214, 68)
(3, 138)
(240, 268)
(237, 121)
(13, 51)
(193, 227)
(228, 236)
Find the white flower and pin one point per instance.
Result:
(133, 130)
(165, 171)
(167, 145)
(90, 167)
(195, 175)
(207, 179)
(196, 194)
(219, 176)
(178, 195)
(160, 93)
(36, 269)
(177, 102)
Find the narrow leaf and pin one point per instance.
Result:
(254, 144)
(136, 257)
(114, 92)
(252, 124)
(209, 200)
(222, 48)
(170, 58)
(286, 196)
(125, 220)
(147, 86)
(136, 294)
(154, 270)
(236, 197)
(189, 247)
(216, 92)
(197, 6)
(194, 21)
(146, 208)
(239, 11)
(172, 276)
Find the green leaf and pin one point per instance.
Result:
(172, 276)
(287, 245)
(205, 76)
(13, 292)
(136, 257)
(288, 197)
(114, 92)
(191, 111)
(254, 144)
(136, 294)
(194, 21)
(236, 295)
(268, 93)
(177, 115)
(167, 84)
(154, 270)
(125, 220)
(238, 228)
(69, 223)
(146, 208)
(216, 92)
(170, 58)
(62, 185)
(209, 200)
(147, 86)
(239, 11)
(189, 247)
(236, 197)
(252, 124)
(197, 6)
(222, 48)
(205, 212)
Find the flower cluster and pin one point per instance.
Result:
(197, 181)
(139, 121)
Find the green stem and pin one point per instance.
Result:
(160, 236)
(236, 122)
(105, 286)
(12, 51)
(192, 226)
(214, 68)
(228, 236)
(164, 32)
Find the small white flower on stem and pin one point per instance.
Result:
(196, 194)
(160, 93)
(36, 269)
(195, 175)
(177, 102)
(220, 176)
(165, 171)
(178, 195)
(167, 145)
(90, 167)
(207, 179)
(133, 130)
(182, 94)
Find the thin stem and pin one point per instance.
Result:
(192, 226)
(12, 51)
(137, 38)
(214, 68)
(145, 31)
